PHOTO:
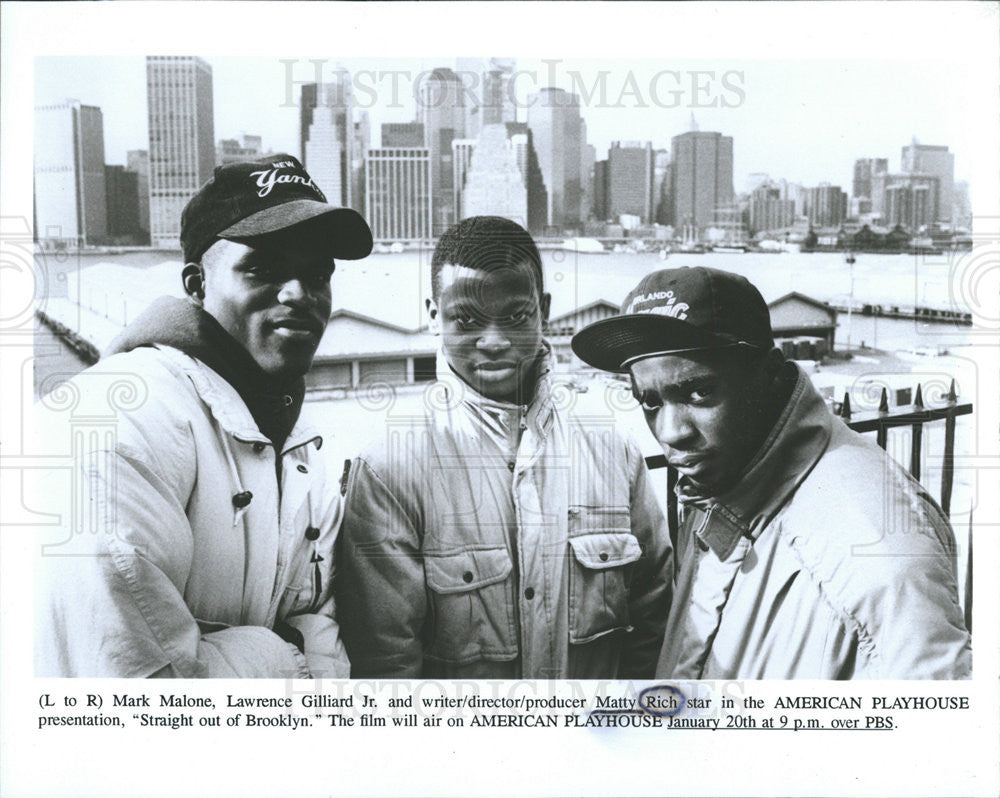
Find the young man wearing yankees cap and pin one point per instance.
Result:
(500, 534)
(804, 550)
(212, 545)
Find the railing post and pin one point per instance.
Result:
(845, 408)
(948, 465)
(916, 445)
(882, 434)
(917, 439)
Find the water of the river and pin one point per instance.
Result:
(393, 286)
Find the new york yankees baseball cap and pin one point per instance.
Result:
(678, 310)
(272, 200)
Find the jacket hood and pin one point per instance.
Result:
(795, 443)
(181, 324)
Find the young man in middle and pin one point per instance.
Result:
(498, 535)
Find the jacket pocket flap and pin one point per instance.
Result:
(466, 570)
(206, 627)
(606, 550)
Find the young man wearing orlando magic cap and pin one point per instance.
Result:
(804, 551)
(213, 540)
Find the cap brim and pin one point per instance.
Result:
(342, 232)
(609, 343)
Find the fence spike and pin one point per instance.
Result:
(952, 396)
(918, 400)
(883, 404)
(845, 408)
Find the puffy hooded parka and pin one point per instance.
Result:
(825, 561)
(208, 550)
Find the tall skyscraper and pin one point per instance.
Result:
(826, 205)
(122, 192)
(494, 185)
(661, 187)
(909, 200)
(461, 159)
(554, 120)
(795, 193)
(70, 187)
(702, 177)
(630, 180)
(441, 107)
(911, 204)
(768, 210)
(602, 210)
(527, 161)
(935, 161)
(588, 157)
(864, 170)
(138, 161)
(327, 137)
(181, 139)
(398, 193)
(359, 154)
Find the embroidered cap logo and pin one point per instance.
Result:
(267, 179)
(664, 303)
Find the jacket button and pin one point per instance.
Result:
(312, 533)
(529, 593)
(467, 576)
(604, 556)
(242, 499)
(259, 447)
(510, 466)
(301, 469)
(286, 400)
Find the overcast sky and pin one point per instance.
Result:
(806, 121)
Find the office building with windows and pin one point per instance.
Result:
(181, 139)
(555, 123)
(398, 193)
(70, 183)
(701, 177)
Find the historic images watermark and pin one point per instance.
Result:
(664, 88)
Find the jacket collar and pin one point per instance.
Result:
(180, 324)
(228, 407)
(798, 439)
(538, 413)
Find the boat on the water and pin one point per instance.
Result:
(582, 244)
(730, 249)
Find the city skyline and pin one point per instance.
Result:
(460, 112)
(798, 146)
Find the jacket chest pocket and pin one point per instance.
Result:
(471, 606)
(602, 551)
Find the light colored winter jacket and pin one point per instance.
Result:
(491, 540)
(166, 572)
(826, 561)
